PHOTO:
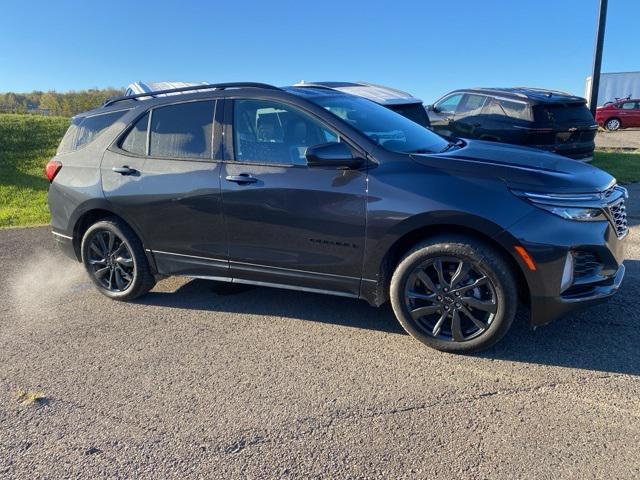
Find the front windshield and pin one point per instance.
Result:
(386, 128)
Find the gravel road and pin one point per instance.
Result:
(624, 139)
(201, 380)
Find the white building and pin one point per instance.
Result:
(615, 85)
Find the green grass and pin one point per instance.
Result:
(27, 143)
(624, 166)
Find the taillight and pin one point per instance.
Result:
(52, 169)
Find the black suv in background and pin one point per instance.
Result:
(316, 190)
(544, 119)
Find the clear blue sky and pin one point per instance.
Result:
(425, 46)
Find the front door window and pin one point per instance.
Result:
(449, 104)
(268, 132)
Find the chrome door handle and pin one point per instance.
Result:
(241, 179)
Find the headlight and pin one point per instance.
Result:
(575, 213)
(579, 207)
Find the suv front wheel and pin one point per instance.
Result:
(454, 294)
(114, 258)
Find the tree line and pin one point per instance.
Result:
(65, 104)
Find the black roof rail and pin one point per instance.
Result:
(211, 86)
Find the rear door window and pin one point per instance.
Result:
(182, 130)
(628, 105)
(136, 140)
(84, 130)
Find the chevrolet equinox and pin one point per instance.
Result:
(321, 191)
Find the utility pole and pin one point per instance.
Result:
(597, 57)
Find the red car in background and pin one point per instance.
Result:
(623, 113)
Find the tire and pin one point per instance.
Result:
(427, 307)
(122, 273)
(613, 124)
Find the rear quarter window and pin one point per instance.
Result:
(508, 108)
(84, 130)
(135, 140)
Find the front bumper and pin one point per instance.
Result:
(550, 241)
(546, 309)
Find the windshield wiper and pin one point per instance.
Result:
(449, 146)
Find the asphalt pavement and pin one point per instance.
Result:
(207, 380)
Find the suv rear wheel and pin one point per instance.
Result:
(612, 124)
(454, 294)
(114, 258)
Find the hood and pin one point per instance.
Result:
(521, 168)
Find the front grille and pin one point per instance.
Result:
(618, 214)
(585, 264)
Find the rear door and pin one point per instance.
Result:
(289, 224)
(164, 177)
(505, 120)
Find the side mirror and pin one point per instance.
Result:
(428, 108)
(332, 154)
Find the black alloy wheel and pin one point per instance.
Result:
(111, 261)
(455, 294)
(115, 260)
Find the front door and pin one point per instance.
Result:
(630, 114)
(287, 223)
(443, 113)
(172, 193)
(469, 117)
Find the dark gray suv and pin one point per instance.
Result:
(321, 191)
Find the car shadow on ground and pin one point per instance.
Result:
(246, 299)
(603, 338)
